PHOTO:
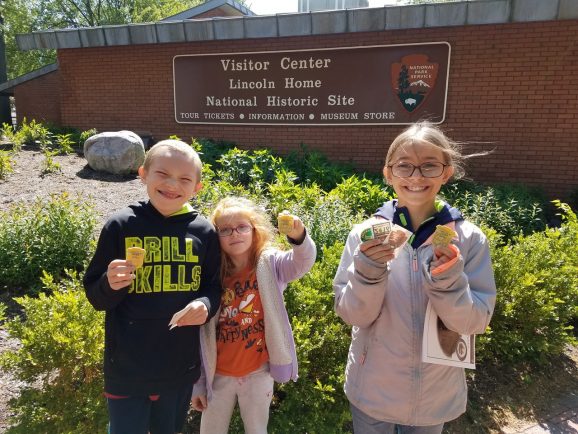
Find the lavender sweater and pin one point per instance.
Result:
(275, 268)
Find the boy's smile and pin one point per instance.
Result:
(170, 180)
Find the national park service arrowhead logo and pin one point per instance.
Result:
(413, 79)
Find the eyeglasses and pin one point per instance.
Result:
(432, 169)
(241, 229)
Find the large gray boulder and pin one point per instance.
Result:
(120, 152)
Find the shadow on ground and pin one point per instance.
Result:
(88, 173)
(502, 399)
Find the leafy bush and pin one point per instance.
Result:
(284, 192)
(209, 150)
(49, 165)
(329, 221)
(360, 193)
(65, 143)
(50, 236)
(537, 280)
(35, 133)
(213, 191)
(314, 167)
(248, 167)
(62, 139)
(510, 210)
(322, 342)
(85, 135)
(60, 360)
(12, 135)
(6, 164)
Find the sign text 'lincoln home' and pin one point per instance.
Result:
(374, 85)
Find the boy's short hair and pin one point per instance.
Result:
(177, 146)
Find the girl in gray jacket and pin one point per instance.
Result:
(384, 292)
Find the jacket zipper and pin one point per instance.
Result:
(415, 364)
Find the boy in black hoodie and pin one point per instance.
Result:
(150, 361)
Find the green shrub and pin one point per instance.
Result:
(62, 341)
(360, 193)
(510, 210)
(84, 136)
(248, 167)
(213, 191)
(210, 151)
(312, 167)
(49, 165)
(35, 133)
(284, 192)
(13, 136)
(46, 235)
(316, 402)
(6, 164)
(537, 299)
(329, 221)
(65, 143)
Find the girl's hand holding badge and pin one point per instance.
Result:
(382, 239)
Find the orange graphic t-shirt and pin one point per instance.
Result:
(241, 329)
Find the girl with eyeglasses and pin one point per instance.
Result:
(385, 296)
(249, 343)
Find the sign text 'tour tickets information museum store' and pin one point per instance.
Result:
(377, 85)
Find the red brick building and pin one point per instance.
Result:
(511, 84)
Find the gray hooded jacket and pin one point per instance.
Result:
(386, 304)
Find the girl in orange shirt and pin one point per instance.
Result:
(249, 344)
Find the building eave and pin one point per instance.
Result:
(462, 13)
(7, 88)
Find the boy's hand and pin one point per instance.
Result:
(199, 403)
(120, 274)
(298, 231)
(375, 250)
(196, 314)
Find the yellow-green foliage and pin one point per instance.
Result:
(50, 165)
(60, 359)
(48, 235)
(6, 164)
(13, 136)
(285, 191)
(35, 133)
(537, 280)
(360, 193)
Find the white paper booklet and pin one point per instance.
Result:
(446, 347)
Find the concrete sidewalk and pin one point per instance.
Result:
(563, 419)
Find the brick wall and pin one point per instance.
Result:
(512, 88)
(39, 99)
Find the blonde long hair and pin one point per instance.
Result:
(263, 231)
